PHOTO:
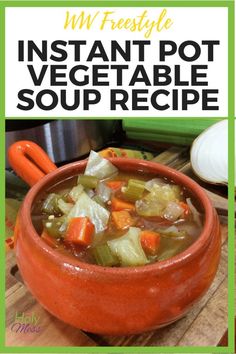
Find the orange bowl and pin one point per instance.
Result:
(117, 301)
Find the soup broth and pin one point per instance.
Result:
(117, 219)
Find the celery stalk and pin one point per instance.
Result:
(88, 181)
(55, 227)
(134, 190)
(50, 205)
(103, 256)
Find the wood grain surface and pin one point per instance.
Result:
(204, 325)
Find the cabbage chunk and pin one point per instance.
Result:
(128, 248)
(85, 206)
(99, 167)
(156, 201)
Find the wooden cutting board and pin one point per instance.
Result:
(204, 325)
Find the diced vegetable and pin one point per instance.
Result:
(55, 227)
(173, 211)
(164, 194)
(85, 206)
(149, 184)
(114, 185)
(88, 181)
(122, 219)
(80, 231)
(103, 256)
(64, 207)
(134, 190)
(186, 209)
(150, 241)
(177, 191)
(99, 167)
(128, 248)
(118, 204)
(103, 192)
(52, 242)
(155, 202)
(50, 205)
(75, 192)
(149, 208)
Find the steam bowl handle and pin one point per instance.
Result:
(29, 161)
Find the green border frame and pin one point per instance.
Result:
(132, 3)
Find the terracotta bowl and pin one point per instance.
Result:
(102, 300)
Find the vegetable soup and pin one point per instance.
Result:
(117, 219)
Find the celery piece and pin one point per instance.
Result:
(50, 205)
(128, 248)
(55, 227)
(103, 256)
(134, 189)
(88, 181)
(64, 207)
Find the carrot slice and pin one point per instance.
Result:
(115, 184)
(122, 219)
(118, 204)
(80, 231)
(150, 241)
(51, 241)
(186, 208)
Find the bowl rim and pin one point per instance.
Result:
(190, 253)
